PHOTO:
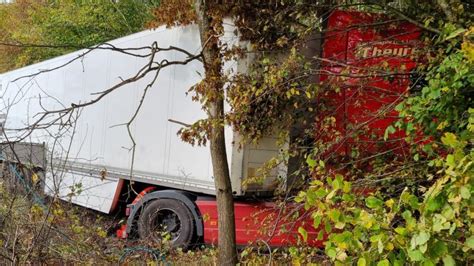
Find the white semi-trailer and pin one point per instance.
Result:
(89, 162)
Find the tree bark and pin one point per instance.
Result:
(214, 90)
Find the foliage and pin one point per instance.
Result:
(430, 221)
(172, 13)
(58, 27)
(442, 105)
(59, 232)
(51, 233)
(425, 225)
(275, 91)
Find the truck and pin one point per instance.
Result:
(92, 159)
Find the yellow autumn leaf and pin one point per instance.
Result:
(468, 45)
(442, 125)
(389, 203)
(34, 178)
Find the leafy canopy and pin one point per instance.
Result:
(64, 26)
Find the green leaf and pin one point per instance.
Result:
(400, 107)
(293, 251)
(384, 262)
(321, 235)
(342, 238)
(327, 227)
(401, 231)
(303, 233)
(317, 221)
(407, 215)
(420, 239)
(413, 201)
(428, 263)
(373, 202)
(348, 197)
(331, 252)
(311, 197)
(416, 157)
(399, 262)
(435, 93)
(450, 160)
(321, 193)
(300, 197)
(439, 223)
(449, 139)
(389, 130)
(434, 204)
(448, 212)
(448, 261)
(455, 33)
(376, 238)
(311, 162)
(331, 195)
(346, 188)
(470, 242)
(380, 247)
(322, 164)
(465, 193)
(334, 215)
(438, 249)
(415, 255)
(405, 196)
(338, 182)
(361, 262)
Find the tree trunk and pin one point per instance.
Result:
(214, 90)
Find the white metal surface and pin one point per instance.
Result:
(95, 153)
(99, 143)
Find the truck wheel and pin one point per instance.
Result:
(167, 216)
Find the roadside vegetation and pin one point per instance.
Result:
(32, 31)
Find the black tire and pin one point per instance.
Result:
(170, 216)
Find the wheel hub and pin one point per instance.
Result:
(168, 221)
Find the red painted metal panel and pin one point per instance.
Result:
(368, 57)
(259, 222)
